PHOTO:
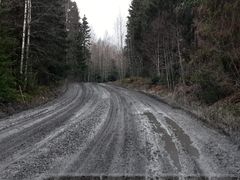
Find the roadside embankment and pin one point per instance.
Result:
(39, 96)
(223, 115)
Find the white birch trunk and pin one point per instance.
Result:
(23, 36)
(28, 39)
(67, 14)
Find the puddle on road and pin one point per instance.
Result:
(183, 138)
(169, 145)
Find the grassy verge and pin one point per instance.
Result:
(37, 96)
(223, 115)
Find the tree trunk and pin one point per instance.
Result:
(28, 41)
(67, 13)
(180, 58)
(166, 64)
(158, 57)
(24, 36)
(158, 46)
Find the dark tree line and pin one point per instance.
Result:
(189, 42)
(41, 43)
(78, 51)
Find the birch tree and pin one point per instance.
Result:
(24, 36)
(120, 34)
(29, 18)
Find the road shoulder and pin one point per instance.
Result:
(199, 112)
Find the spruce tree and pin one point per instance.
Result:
(73, 28)
(7, 44)
(83, 50)
(49, 40)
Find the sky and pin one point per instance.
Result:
(102, 14)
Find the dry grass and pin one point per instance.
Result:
(223, 115)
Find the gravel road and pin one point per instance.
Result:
(104, 130)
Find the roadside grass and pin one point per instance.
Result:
(136, 81)
(223, 114)
(30, 99)
(34, 94)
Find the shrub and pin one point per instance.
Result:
(7, 92)
(98, 78)
(156, 80)
(210, 91)
(112, 78)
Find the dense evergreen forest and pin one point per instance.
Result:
(194, 43)
(41, 43)
(189, 42)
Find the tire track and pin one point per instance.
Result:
(105, 130)
(49, 155)
(22, 142)
(102, 138)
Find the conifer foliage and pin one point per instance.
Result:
(186, 42)
(41, 42)
(83, 51)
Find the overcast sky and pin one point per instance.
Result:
(102, 14)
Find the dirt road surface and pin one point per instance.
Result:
(104, 130)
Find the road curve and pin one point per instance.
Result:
(99, 129)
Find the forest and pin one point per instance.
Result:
(190, 43)
(188, 52)
(41, 43)
(185, 51)
(155, 97)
